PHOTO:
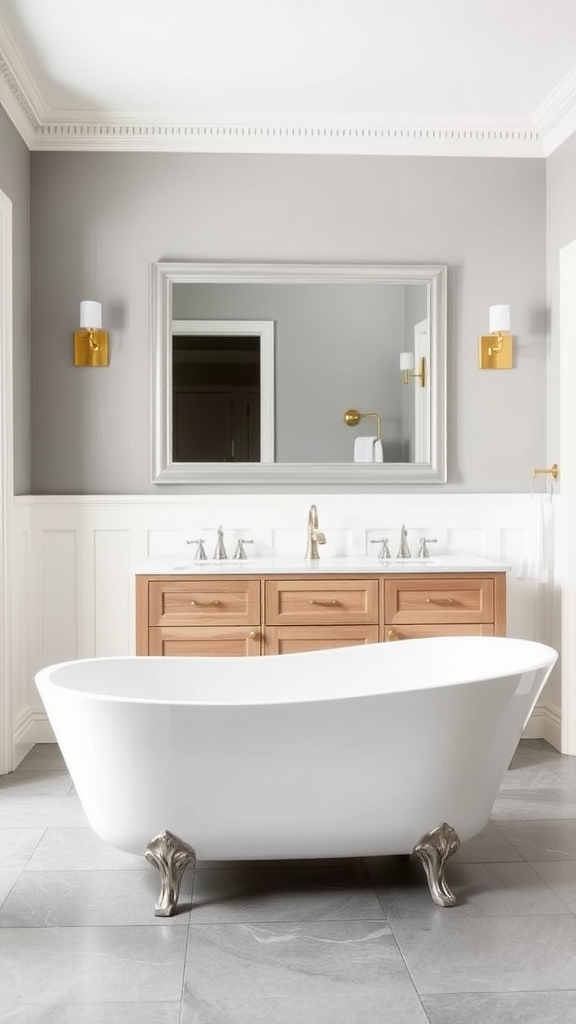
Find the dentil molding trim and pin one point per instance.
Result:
(42, 131)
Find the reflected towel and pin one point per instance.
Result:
(537, 554)
(368, 449)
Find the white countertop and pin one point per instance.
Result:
(353, 564)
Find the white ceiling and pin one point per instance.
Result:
(463, 77)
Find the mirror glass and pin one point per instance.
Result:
(291, 373)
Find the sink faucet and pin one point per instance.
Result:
(220, 550)
(315, 536)
(404, 550)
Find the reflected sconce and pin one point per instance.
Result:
(495, 348)
(90, 341)
(407, 368)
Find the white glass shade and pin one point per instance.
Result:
(91, 314)
(498, 319)
(407, 361)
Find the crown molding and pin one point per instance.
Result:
(555, 118)
(40, 129)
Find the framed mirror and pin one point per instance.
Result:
(289, 373)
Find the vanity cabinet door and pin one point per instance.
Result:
(211, 641)
(294, 639)
(414, 632)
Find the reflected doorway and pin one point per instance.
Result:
(216, 398)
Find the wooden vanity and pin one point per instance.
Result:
(259, 613)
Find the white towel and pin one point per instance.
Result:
(537, 554)
(368, 449)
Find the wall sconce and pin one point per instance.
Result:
(407, 368)
(90, 341)
(495, 348)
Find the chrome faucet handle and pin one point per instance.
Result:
(200, 550)
(424, 542)
(240, 552)
(384, 550)
(220, 550)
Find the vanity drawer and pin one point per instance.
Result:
(439, 600)
(321, 602)
(204, 602)
(455, 629)
(234, 641)
(294, 639)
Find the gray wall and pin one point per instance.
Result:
(15, 183)
(99, 220)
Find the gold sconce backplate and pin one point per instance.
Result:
(90, 347)
(495, 351)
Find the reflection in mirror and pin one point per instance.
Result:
(222, 391)
(255, 365)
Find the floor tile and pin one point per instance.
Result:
(90, 965)
(17, 846)
(534, 752)
(502, 1008)
(36, 782)
(31, 811)
(48, 899)
(560, 875)
(80, 849)
(96, 1013)
(316, 973)
(43, 755)
(488, 845)
(311, 893)
(482, 890)
(541, 840)
(497, 954)
(8, 879)
(525, 802)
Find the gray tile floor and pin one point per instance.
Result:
(335, 942)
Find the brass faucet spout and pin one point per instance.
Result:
(314, 535)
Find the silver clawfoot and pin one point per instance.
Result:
(171, 856)
(433, 849)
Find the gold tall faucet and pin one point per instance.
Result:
(315, 536)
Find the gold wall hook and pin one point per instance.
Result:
(352, 418)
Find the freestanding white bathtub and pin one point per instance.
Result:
(377, 749)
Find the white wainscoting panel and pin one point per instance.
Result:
(74, 590)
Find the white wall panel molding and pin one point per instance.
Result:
(74, 591)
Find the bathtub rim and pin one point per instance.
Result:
(544, 657)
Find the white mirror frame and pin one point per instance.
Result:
(166, 471)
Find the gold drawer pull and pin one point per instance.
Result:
(439, 600)
(393, 635)
(254, 635)
(325, 604)
(206, 604)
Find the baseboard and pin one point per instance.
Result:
(33, 728)
(545, 723)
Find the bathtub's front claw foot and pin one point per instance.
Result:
(433, 849)
(171, 856)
